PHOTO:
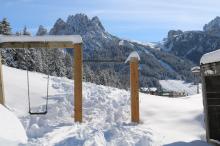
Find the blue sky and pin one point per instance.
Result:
(143, 20)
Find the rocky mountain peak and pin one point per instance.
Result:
(78, 24)
(58, 27)
(173, 33)
(97, 22)
(41, 31)
(213, 27)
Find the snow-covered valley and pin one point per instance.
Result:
(106, 115)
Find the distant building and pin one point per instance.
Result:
(155, 91)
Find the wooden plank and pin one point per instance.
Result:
(2, 95)
(205, 105)
(78, 83)
(37, 45)
(134, 83)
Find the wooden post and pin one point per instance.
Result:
(2, 95)
(134, 83)
(78, 83)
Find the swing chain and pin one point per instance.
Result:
(28, 86)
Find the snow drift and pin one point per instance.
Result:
(11, 130)
(106, 115)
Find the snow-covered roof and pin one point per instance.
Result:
(74, 39)
(210, 57)
(195, 69)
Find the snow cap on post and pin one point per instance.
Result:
(133, 54)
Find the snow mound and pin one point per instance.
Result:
(12, 132)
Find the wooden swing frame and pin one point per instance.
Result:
(72, 42)
(48, 42)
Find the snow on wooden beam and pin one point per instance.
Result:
(50, 41)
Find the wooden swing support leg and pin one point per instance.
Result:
(77, 82)
(2, 95)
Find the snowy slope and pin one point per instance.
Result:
(106, 115)
(179, 86)
(12, 132)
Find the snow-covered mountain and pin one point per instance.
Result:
(106, 115)
(99, 44)
(193, 44)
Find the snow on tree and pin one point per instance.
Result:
(5, 27)
(8, 57)
(68, 65)
(55, 62)
(25, 31)
(23, 59)
(1, 32)
(18, 33)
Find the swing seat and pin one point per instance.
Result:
(38, 113)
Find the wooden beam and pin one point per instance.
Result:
(2, 95)
(78, 83)
(37, 45)
(134, 83)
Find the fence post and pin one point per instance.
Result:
(2, 95)
(134, 83)
(77, 83)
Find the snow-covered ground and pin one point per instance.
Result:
(106, 115)
(180, 86)
(11, 129)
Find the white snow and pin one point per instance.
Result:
(121, 43)
(106, 115)
(195, 69)
(179, 86)
(154, 89)
(179, 120)
(210, 57)
(50, 38)
(152, 45)
(12, 132)
(133, 54)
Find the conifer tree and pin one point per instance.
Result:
(25, 31)
(1, 31)
(68, 65)
(5, 27)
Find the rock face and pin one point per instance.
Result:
(213, 27)
(99, 44)
(193, 44)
